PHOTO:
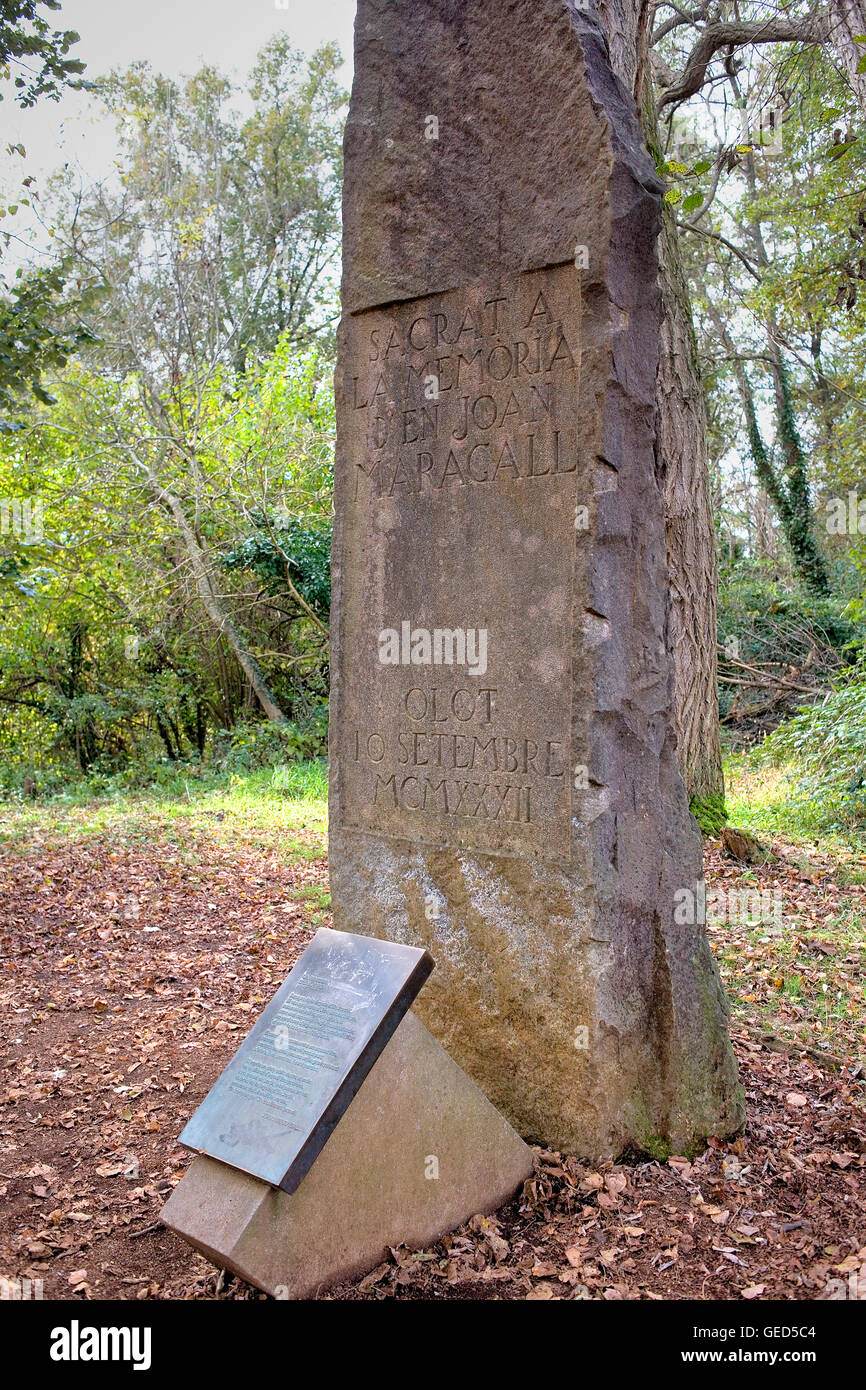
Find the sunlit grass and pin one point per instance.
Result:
(765, 800)
(282, 810)
(800, 977)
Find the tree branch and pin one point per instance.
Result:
(717, 236)
(809, 29)
(680, 17)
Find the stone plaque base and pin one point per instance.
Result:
(419, 1150)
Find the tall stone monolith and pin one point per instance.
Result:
(504, 788)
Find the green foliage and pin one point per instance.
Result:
(194, 423)
(283, 547)
(772, 622)
(294, 753)
(109, 570)
(770, 630)
(777, 270)
(255, 745)
(25, 36)
(38, 333)
(225, 218)
(826, 746)
(36, 336)
(791, 491)
(681, 192)
(146, 800)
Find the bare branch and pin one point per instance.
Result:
(813, 28)
(679, 18)
(717, 236)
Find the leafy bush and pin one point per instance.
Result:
(20, 782)
(790, 635)
(784, 625)
(248, 747)
(283, 545)
(826, 743)
(253, 745)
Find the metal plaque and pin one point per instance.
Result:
(284, 1091)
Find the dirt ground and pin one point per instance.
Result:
(130, 973)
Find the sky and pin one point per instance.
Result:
(175, 36)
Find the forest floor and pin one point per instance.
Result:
(139, 939)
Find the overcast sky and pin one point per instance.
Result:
(176, 36)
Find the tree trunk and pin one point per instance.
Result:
(692, 561)
(213, 604)
(847, 22)
(691, 542)
(808, 559)
(788, 490)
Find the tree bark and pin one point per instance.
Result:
(690, 533)
(691, 542)
(692, 560)
(847, 21)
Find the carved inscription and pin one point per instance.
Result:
(285, 1064)
(459, 478)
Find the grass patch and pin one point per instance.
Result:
(801, 980)
(281, 810)
(766, 799)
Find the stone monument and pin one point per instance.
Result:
(504, 787)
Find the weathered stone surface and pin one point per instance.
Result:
(520, 814)
(418, 1152)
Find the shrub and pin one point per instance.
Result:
(253, 745)
(826, 742)
(790, 635)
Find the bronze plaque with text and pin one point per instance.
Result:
(280, 1097)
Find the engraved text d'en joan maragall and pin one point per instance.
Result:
(484, 387)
